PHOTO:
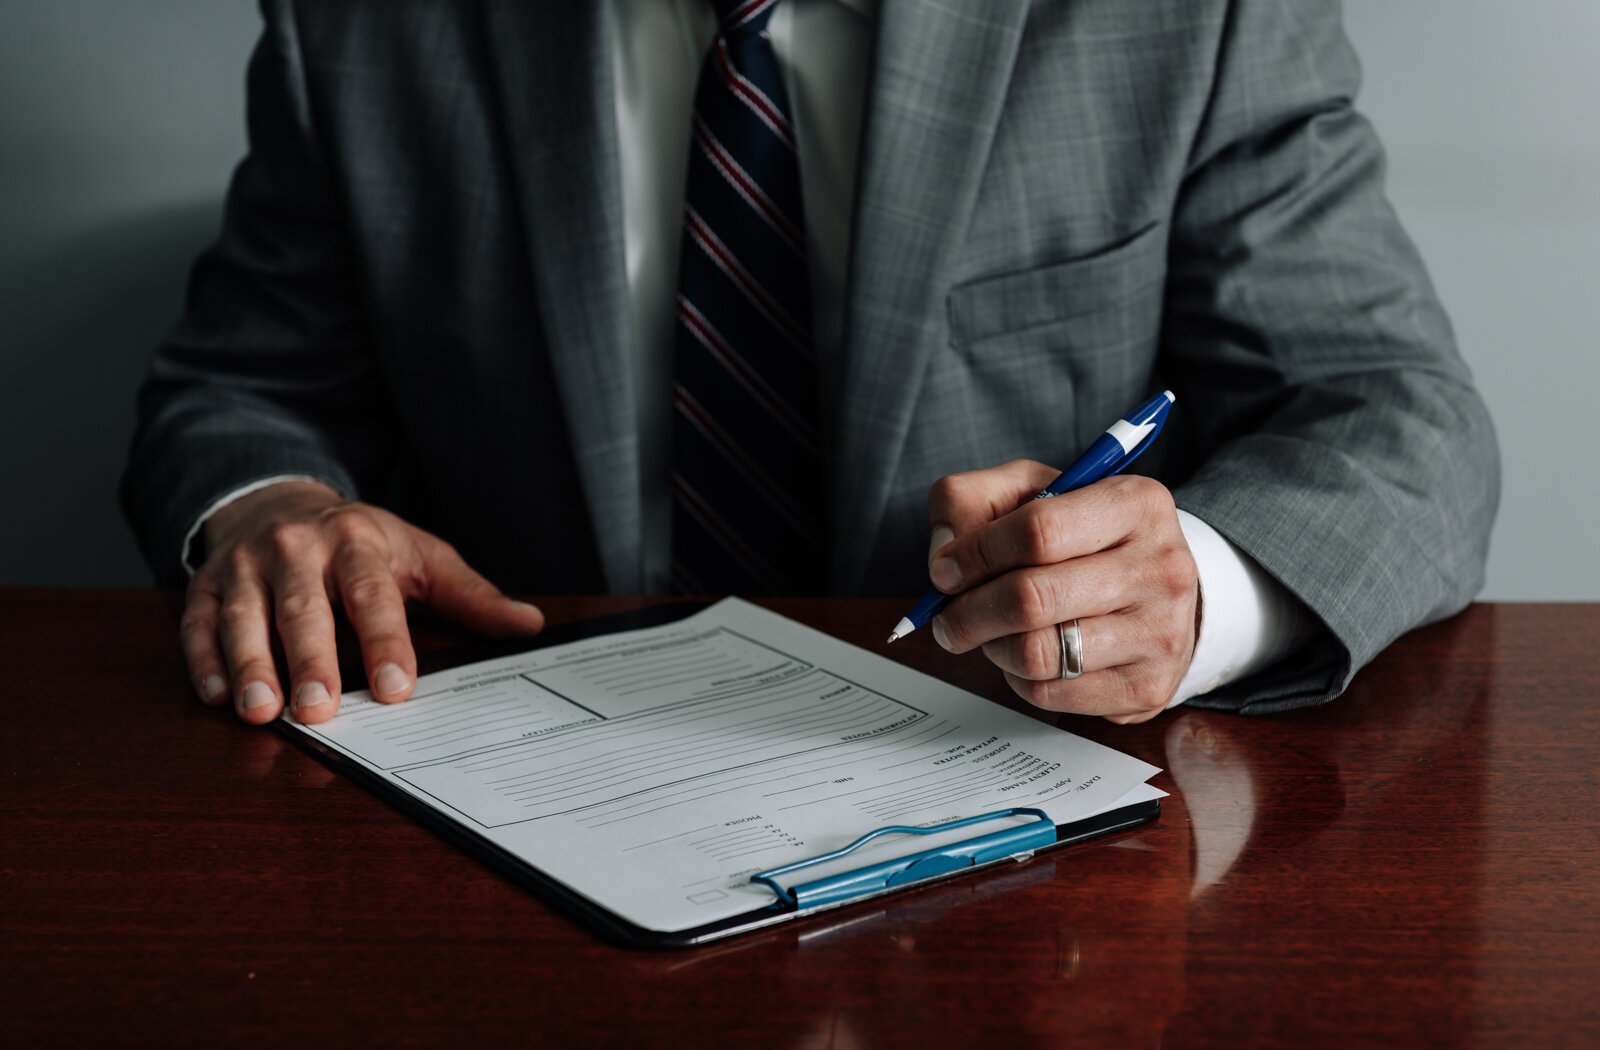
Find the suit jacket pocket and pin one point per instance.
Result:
(1113, 293)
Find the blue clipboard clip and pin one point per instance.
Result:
(1017, 842)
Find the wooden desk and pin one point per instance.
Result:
(1418, 863)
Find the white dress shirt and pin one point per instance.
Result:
(824, 48)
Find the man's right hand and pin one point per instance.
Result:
(281, 559)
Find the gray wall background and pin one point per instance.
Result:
(120, 123)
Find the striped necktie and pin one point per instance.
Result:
(746, 482)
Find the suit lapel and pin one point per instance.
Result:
(553, 66)
(939, 76)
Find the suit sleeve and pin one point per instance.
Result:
(269, 371)
(1353, 459)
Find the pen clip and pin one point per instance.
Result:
(1018, 841)
(1138, 450)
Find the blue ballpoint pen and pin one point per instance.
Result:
(1120, 445)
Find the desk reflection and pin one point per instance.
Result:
(1281, 839)
(1310, 834)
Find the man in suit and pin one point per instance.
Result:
(464, 285)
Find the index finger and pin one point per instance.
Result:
(1042, 532)
(973, 498)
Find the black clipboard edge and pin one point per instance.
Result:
(600, 920)
(576, 906)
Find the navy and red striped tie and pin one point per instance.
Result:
(747, 480)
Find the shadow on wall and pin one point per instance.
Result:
(82, 320)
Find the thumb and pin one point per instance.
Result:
(459, 592)
(961, 503)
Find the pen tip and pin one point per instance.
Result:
(892, 639)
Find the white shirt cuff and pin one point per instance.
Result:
(185, 552)
(1247, 618)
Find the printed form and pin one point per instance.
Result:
(654, 771)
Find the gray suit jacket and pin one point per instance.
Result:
(1063, 205)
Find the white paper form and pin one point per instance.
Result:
(653, 771)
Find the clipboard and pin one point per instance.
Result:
(793, 898)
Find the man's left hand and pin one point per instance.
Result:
(1111, 555)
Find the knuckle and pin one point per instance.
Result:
(1030, 601)
(1143, 688)
(240, 612)
(238, 562)
(290, 540)
(299, 606)
(1176, 640)
(1139, 491)
(1171, 645)
(1042, 534)
(948, 492)
(367, 591)
(1120, 486)
(1139, 487)
(940, 491)
(203, 584)
(1155, 503)
(1176, 572)
(1019, 466)
(196, 623)
(964, 485)
(1041, 655)
(348, 525)
(1114, 689)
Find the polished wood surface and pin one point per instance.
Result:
(1415, 864)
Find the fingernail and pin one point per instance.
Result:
(256, 694)
(945, 574)
(939, 634)
(212, 688)
(390, 680)
(312, 694)
(941, 536)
